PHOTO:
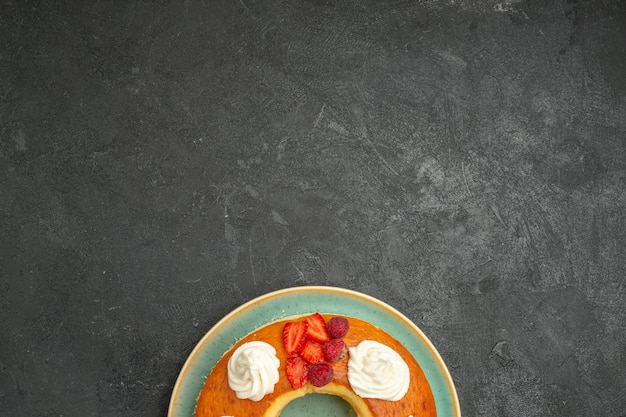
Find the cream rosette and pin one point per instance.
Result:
(253, 370)
(377, 371)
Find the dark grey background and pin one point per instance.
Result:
(163, 162)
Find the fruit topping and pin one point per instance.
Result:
(312, 352)
(337, 327)
(294, 335)
(311, 345)
(316, 329)
(321, 374)
(334, 350)
(297, 371)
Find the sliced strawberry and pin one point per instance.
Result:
(297, 371)
(317, 328)
(312, 352)
(294, 334)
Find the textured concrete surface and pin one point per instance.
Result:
(163, 162)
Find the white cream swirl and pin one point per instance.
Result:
(377, 371)
(253, 370)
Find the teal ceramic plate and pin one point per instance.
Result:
(304, 300)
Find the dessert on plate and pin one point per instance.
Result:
(317, 353)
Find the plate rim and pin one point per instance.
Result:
(190, 360)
